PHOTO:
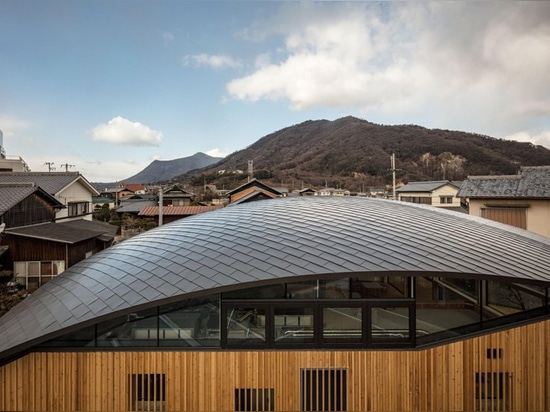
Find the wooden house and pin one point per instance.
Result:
(70, 188)
(296, 304)
(177, 196)
(439, 193)
(521, 200)
(251, 191)
(38, 253)
(23, 204)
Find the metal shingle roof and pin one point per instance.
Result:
(268, 241)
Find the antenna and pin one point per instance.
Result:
(66, 166)
(50, 166)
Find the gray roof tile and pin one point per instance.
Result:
(531, 182)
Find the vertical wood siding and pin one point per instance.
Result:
(438, 379)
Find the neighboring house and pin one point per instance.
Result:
(133, 207)
(440, 193)
(23, 204)
(252, 191)
(117, 194)
(173, 213)
(136, 188)
(378, 193)
(295, 304)
(176, 196)
(13, 164)
(69, 188)
(38, 253)
(521, 200)
(330, 191)
(307, 192)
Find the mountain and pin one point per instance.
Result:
(162, 170)
(355, 154)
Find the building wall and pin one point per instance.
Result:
(437, 379)
(537, 214)
(435, 196)
(75, 192)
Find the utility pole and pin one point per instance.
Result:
(393, 174)
(250, 170)
(50, 166)
(67, 166)
(161, 200)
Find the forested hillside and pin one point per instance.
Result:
(355, 154)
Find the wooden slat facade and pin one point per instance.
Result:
(444, 378)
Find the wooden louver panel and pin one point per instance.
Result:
(323, 390)
(493, 391)
(147, 392)
(254, 399)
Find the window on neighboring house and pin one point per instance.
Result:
(35, 274)
(254, 399)
(147, 392)
(493, 392)
(323, 390)
(446, 200)
(78, 208)
(424, 200)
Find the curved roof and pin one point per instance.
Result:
(267, 241)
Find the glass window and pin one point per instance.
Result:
(246, 325)
(193, 322)
(342, 324)
(509, 298)
(263, 292)
(302, 290)
(293, 325)
(335, 289)
(440, 308)
(378, 287)
(134, 329)
(390, 324)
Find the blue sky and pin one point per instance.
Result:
(110, 86)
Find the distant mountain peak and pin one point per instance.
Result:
(161, 170)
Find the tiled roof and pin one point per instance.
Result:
(12, 194)
(67, 232)
(51, 182)
(134, 206)
(429, 186)
(254, 183)
(532, 182)
(176, 210)
(267, 241)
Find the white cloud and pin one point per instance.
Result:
(539, 139)
(125, 132)
(215, 61)
(218, 152)
(461, 58)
